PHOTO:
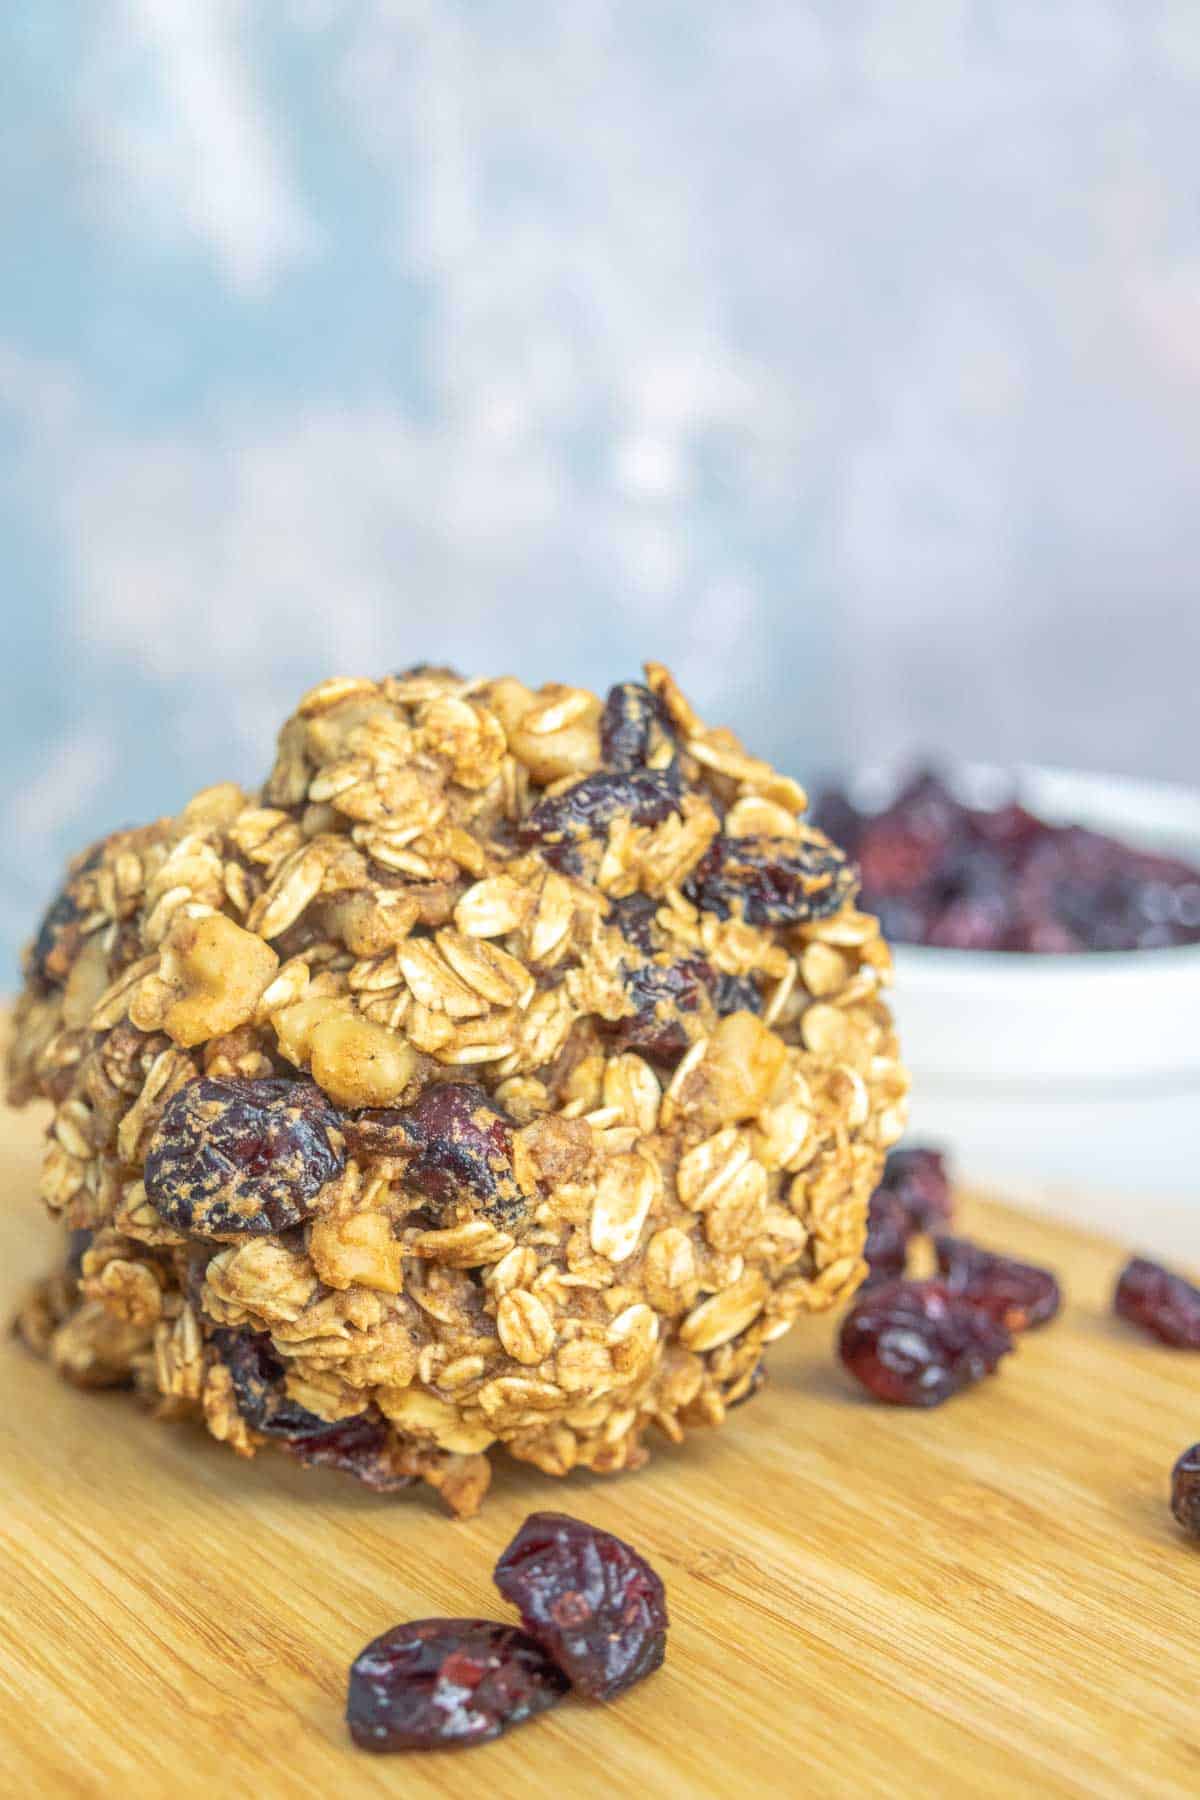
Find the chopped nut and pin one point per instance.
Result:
(359, 1063)
(358, 1248)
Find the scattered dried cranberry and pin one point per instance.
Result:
(561, 821)
(1185, 1490)
(1165, 1305)
(918, 1180)
(1017, 1294)
(595, 1605)
(914, 1343)
(770, 881)
(243, 1156)
(888, 1231)
(938, 872)
(456, 1145)
(633, 726)
(361, 1445)
(439, 1684)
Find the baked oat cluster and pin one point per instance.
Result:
(511, 1070)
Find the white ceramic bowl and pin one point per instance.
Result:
(1075, 1077)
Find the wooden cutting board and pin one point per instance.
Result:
(989, 1599)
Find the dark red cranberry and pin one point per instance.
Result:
(928, 807)
(937, 872)
(78, 1242)
(56, 945)
(634, 918)
(834, 813)
(1018, 1294)
(47, 959)
(901, 921)
(456, 1145)
(591, 1601)
(361, 1445)
(560, 821)
(243, 1156)
(442, 1684)
(423, 670)
(914, 1343)
(662, 995)
(1165, 1305)
(735, 993)
(1009, 829)
(981, 924)
(888, 1231)
(770, 881)
(1185, 1490)
(917, 1178)
(632, 726)
(893, 861)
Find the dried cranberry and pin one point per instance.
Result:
(770, 881)
(1185, 1490)
(78, 1243)
(243, 1156)
(456, 1145)
(438, 1684)
(258, 1373)
(1018, 1294)
(914, 1343)
(893, 861)
(937, 872)
(586, 810)
(634, 725)
(663, 994)
(56, 945)
(1009, 829)
(980, 924)
(888, 1231)
(362, 1445)
(735, 993)
(46, 958)
(928, 807)
(917, 1178)
(1165, 1305)
(591, 1601)
(421, 671)
(834, 813)
(634, 918)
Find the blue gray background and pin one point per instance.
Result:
(844, 352)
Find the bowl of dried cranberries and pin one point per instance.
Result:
(1046, 932)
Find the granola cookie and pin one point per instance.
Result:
(512, 1069)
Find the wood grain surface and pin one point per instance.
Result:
(990, 1599)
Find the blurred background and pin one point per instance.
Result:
(844, 353)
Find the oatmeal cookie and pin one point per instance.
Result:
(511, 1070)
